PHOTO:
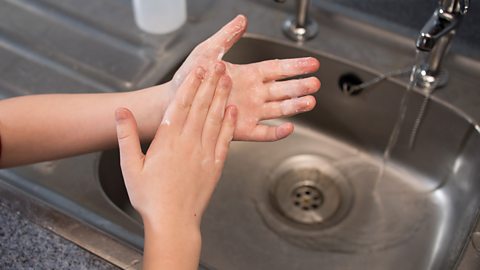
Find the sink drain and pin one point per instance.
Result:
(307, 197)
(309, 191)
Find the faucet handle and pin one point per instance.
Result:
(464, 8)
(454, 7)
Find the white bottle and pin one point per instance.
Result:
(159, 16)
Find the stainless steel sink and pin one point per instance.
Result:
(314, 200)
(311, 201)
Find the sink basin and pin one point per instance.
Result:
(316, 200)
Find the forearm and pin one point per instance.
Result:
(44, 127)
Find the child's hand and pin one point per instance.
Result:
(255, 91)
(171, 184)
(174, 180)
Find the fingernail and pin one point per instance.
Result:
(219, 67)
(315, 83)
(284, 130)
(304, 61)
(200, 72)
(226, 82)
(121, 114)
(308, 103)
(311, 62)
(241, 18)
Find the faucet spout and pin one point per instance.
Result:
(434, 41)
(436, 28)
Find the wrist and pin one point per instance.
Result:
(174, 236)
(171, 245)
(159, 225)
(180, 239)
(154, 102)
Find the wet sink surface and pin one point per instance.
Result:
(314, 199)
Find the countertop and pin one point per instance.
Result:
(26, 245)
(32, 62)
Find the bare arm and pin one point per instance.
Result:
(45, 127)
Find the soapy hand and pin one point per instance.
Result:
(256, 91)
(172, 183)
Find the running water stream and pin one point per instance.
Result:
(399, 124)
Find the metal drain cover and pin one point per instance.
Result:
(308, 190)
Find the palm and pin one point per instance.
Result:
(255, 91)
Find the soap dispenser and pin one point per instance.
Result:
(159, 16)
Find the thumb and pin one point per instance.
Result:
(131, 155)
(230, 33)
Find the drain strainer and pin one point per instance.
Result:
(307, 197)
(308, 190)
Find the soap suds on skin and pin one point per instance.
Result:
(166, 122)
(294, 106)
(301, 64)
(237, 29)
(292, 89)
(289, 106)
(221, 54)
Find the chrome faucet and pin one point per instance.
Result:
(434, 41)
(300, 27)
